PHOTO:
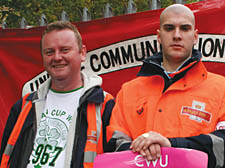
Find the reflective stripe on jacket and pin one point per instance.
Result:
(26, 106)
(94, 132)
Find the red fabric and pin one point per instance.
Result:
(20, 58)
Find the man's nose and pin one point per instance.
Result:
(58, 55)
(177, 34)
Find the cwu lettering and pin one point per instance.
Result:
(154, 163)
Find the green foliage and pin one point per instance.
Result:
(165, 3)
(12, 11)
(142, 5)
(32, 10)
(191, 1)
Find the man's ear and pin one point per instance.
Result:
(158, 36)
(83, 53)
(195, 36)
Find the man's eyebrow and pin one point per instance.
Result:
(189, 25)
(47, 48)
(168, 24)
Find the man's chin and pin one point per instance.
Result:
(177, 53)
(58, 77)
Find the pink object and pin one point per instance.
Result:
(171, 158)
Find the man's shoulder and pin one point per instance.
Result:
(217, 78)
(140, 80)
(216, 82)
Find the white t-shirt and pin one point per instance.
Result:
(51, 137)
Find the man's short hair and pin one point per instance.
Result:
(62, 25)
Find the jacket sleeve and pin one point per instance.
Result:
(107, 111)
(118, 137)
(213, 143)
(11, 121)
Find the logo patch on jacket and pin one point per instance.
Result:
(197, 112)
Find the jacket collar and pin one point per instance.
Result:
(91, 83)
(152, 65)
(94, 95)
(92, 89)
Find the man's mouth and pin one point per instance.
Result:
(59, 66)
(177, 45)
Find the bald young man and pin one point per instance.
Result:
(174, 101)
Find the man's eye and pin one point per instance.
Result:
(185, 28)
(65, 50)
(169, 28)
(49, 53)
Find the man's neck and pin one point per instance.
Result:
(172, 66)
(67, 84)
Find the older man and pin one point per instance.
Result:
(61, 125)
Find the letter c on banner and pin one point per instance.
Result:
(92, 57)
(136, 159)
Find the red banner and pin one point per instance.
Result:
(115, 45)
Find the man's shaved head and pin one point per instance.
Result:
(177, 9)
(177, 35)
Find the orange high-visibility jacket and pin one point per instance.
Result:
(93, 114)
(192, 105)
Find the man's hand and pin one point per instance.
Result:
(148, 145)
